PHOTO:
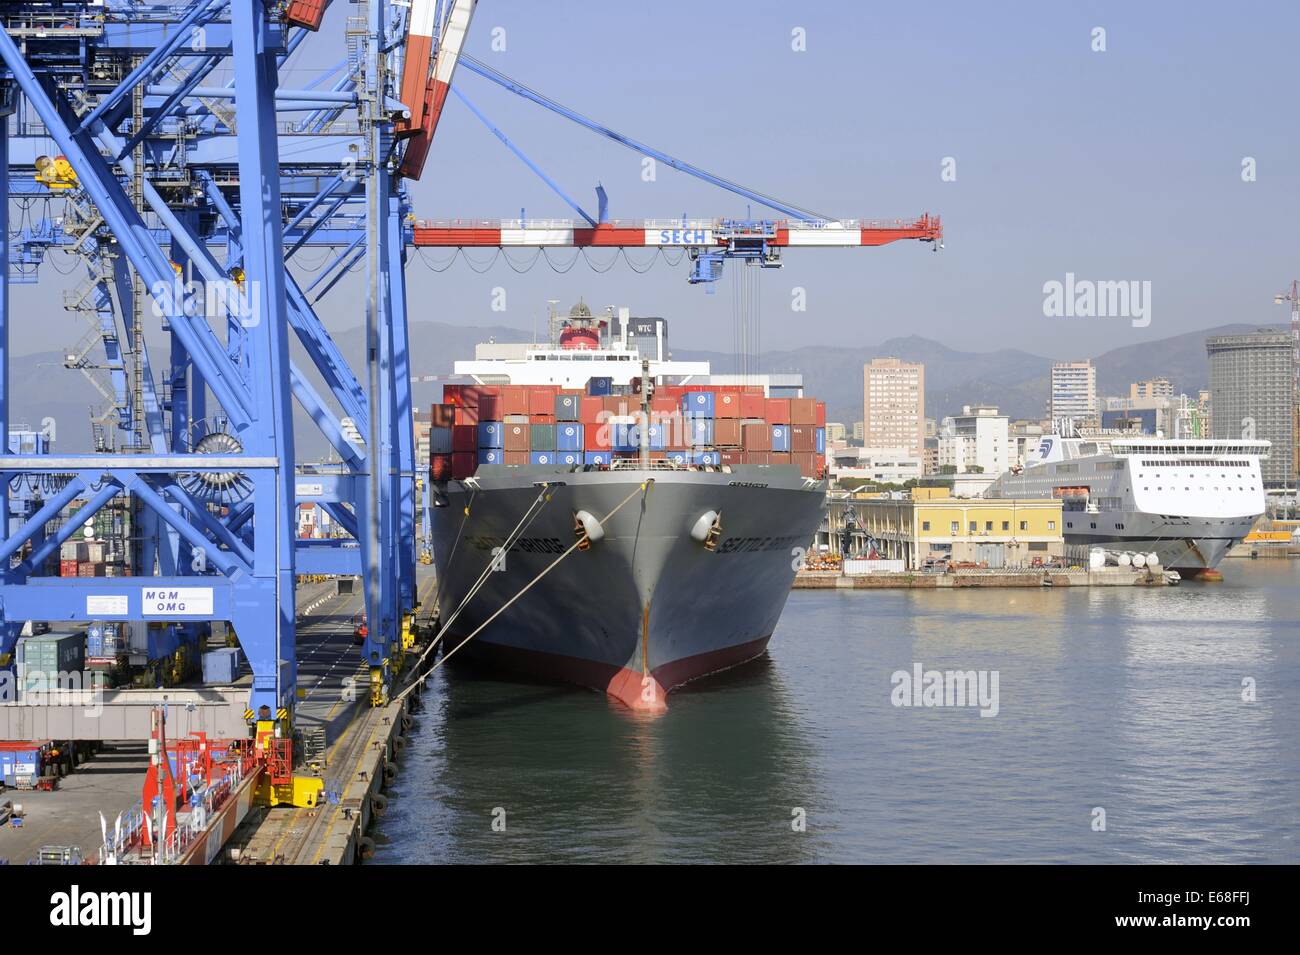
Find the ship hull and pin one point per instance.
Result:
(1189, 545)
(640, 611)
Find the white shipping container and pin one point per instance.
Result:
(856, 568)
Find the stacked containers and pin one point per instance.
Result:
(546, 425)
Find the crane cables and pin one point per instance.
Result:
(746, 319)
(643, 488)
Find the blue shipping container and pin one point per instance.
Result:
(821, 440)
(698, 403)
(568, 458)
(600, 386)
(702, 431)
(679, 457)
(491, 434)
(600, 458)
(566, 407)
(568, 436)
(542, 457)
(706, 457)
(780, 437)
(491, 456)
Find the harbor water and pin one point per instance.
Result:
(1125, 725)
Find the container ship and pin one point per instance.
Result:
(1187, 501)
(691, 504)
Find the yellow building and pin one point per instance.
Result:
(933, 525)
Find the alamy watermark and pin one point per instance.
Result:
(1085, 298)
(953, 688)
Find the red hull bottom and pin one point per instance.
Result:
(645, 693)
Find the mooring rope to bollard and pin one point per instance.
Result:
(643, 488)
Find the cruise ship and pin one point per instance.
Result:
(1186, 500)
(685, 555)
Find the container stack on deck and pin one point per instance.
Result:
(702, 425)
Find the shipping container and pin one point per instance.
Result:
(514, 400)
(597, 458)
(491, 434)
(569, 458)
(599, 386)
(757, 457)
(701, 431)
(780, 438)
(568, 436)
(598, 437)
(803, 437)
(807, 462)
(440, 440)
(440, 468)
(726, 432)
(489, 408)
(757, 436)
(541, 437)
(710, 458)
(732, 457)
(541, 457)
(541, 401)
(752, 405)
(467, 416)
(727, 405)
(516, 437)
(67, 568)
(442, 416)
(821, 414)
(777, 411)
(698, 403)
(679, 456)
(566, 407)
(803, 411)
(589, 410)
(463, 464)
(464, 438)
(90, 569)
(516, 458)
(491, 456)
(821, 441)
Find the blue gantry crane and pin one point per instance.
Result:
(153, 143)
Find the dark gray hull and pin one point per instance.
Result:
(647, 607)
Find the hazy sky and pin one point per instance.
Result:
(1117, 165)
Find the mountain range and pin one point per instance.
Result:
(1016, 381)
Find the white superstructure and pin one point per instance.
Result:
(1187, 500)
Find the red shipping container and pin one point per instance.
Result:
(442, 416)
(305, 13)
(516, 457)
(757, 437)
(732, 457)
(67, 568)
(598, 437)
(660, 405)
(752, 405)
(589, 409)
(514, 400)
(807, 461)
(726, 432)
(463, 465)
(803, 411)
(677, 436)
(466, 415)
(451, 395)
(756, 457)
(803, 437)
(516, 437)
(727, 405)
(777, 411)
(489, 408)
(779, 457)
(821, 414)
(464, 437)
(439, 468)
(541, 401)
(620, 404)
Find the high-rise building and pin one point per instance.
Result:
(976, 440)
(1251, 395)
(1151, 388)
(893, 405)
(1074, 392)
